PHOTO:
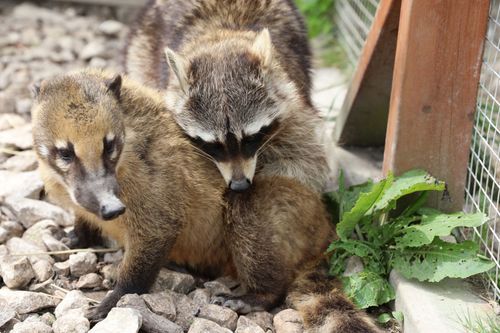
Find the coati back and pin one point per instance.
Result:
(109, 150)
(237, 78)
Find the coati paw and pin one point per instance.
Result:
(238, 306)
(95, 314)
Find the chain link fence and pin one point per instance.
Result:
(483, 180)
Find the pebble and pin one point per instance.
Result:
(25, 161)
(19, 138)
(27, 301)
(162, 303)
(93, 49)
(6, 312)
(201, 325)
(43, 270)
(288, 321)
(16, 245)
(246, 325)
(55, 245)
(111, 27)
(176, 281)
(89, 281)
(31, 327)
(16, 271)
(62, 268)
(37, 231)
(20, 184)
(262, 318)
(123, 320)
(29, 211)
(74, 299)
(223, 316)
(82, 263)
(73, 321)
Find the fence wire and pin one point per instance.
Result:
(354, 19)
(483, 180)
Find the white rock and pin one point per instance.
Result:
(288, 321)
(32, 327)
(22, 162)
(110, 27)
(10, 120)
(55, 245)
(124, 320)
(176, 281)
(82, 263)
(48, 318)
(200, 297)
(161, 303)
(16, 272)
(92, 49)
(17, 138)
(262, 318)
(201, 325)
(37, 231)
(43, 270)
(20, 184)
(246, 325)
(23, 105)
(6, 312)
(89, 281)
(16, 245)
(62, 268)
(223, 316)
(27, 301)
(75, 299)
(29, 211)
(72, 321)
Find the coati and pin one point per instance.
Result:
(237, 78)
(109, 150)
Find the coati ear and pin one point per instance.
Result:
(178, 65)
(115, 85)
(263, 47)
(35, 90)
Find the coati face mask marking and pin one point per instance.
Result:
(79, 134)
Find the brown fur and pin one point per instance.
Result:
(235, 78)
(177, 208)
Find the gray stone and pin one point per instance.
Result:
(113, 257)
(288, 321)
(262, 318)
(27, 301)
(93, 49)
(55, 245)
(13, 228)
(10, 120)
(16, 245)
(20, 184)
(37, 231)
(89, 281)
(161, 303)
(29, 211)
(21, 162)
(72, 321)
(43, 270)
(186, 310)
(200, 297)
(217, 288)
(31, 327)
(74, 299)
(48, 318)
(201, 325)
(246, 325)
(16, 271)
(62, 268)
(23, 105)
(6, 312)
(123, 320)
(223, 316)
(82, 263)
(354, 265)
(7, 103)
(111, 27)
(176, 281)
(17, 138)
(151, 322)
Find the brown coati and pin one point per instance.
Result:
(237, 78)
(109, 150)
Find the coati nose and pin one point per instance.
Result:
(109, 212)
(239, 185)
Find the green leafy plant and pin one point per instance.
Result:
(385, 234)
(319, 15)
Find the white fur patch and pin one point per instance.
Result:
(61, 144)
(110, 137)
(43, 150)
(255, 126)
(64, 166)
(197, 132)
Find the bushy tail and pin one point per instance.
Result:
(324, 307)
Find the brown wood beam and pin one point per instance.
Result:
(433, 100)
(362, 120)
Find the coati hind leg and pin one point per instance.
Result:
(84, 235)
(271, 230)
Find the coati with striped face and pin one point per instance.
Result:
(109, 150)
(237, 78)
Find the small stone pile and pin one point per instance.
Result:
(42, 291)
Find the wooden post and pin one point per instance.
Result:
(433, 99)
(363, 118)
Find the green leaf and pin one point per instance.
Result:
(367, 197)
(439, 260)
(398, 315)
(354, 247)
(409, 182)
(435, 225)
(367, 289)
(384, 318)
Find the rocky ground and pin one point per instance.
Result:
(44, 286)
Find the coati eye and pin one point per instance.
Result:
(109, 146)
(66, 154)
(214, 149)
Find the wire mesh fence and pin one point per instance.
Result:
(483, 180)
(354, 19)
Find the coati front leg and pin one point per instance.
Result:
(84, 235)
(143, 258)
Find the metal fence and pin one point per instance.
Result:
(483, 179)
(354, 19)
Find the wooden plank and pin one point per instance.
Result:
(436, 73)
(363, 118)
